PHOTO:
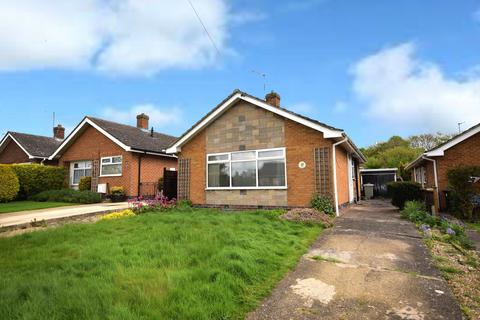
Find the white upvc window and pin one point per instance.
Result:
(250, 169)
(79, 169)
(111, 166)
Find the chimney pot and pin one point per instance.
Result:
(142, 121)
(273, 99)
(59, 132)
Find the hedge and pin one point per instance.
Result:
(9, 185)
(35, 178)
(462, 190)
(403, 191)
(68, 195)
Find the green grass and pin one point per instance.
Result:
(15, 206)
(192, 264)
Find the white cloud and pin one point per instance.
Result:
(115, 36)
(415, 95)
(159, 117)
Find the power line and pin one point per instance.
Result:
(204, 27)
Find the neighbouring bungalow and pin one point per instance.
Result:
(252, 152)
(18, 147)
(430, 169)
(115, 154)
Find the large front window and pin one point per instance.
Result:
(263, 169)
(111, 166)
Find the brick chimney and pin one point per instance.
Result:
(59, 132)
(142, 121)
(273, 99)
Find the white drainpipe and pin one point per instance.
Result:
(335, 174)
(436, 180)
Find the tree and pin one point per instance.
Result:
(394, 153)
(428, 141)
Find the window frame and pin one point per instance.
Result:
(111, 164)
(256, 159)
(73, 169)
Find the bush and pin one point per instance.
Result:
(85, 184)
(9, 185)
(35, 178)
(118, 191)
(403, 191)
(68, 195)
(462, 190)
(323, 204)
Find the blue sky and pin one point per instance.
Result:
(373, 68)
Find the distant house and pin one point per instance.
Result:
(16, 147)
(252, 152)
(430, 169)
(115, 154)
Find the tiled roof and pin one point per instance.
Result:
(36, 146)
(134, 137)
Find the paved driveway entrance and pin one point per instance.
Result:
(371, 265)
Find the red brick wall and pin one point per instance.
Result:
(12, 153)
(466, 153)
(92, 144)
(342, 175)
(300, 142)
(195, 151)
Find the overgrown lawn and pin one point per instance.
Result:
(192, 264)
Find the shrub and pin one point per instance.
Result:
(85, 184)
(323, 204)
(35, 178)
(68, 195)
(9, 185)
(118, 214)
(462, 190)
(403, 191)
(117, 191)
(161, 203)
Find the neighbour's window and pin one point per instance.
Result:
(247, 169)
(80, 169)
(111, 166)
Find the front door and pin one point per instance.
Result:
(351, 177)
(79, 169)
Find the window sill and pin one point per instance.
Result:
(245, 188)
(109, 175)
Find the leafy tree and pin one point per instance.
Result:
(394, 153)
(428, 141)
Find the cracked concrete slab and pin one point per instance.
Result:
(370, 265)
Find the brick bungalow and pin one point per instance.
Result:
(115, 154)
(16, 147)
(430, 169)
(252, 152)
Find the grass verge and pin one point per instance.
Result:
(16, 206)
(192, 264)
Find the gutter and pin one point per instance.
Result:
(337, 213)
(437, 204)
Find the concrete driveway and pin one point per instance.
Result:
(371, 265)
(24, 218)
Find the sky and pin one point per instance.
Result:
(372, 68)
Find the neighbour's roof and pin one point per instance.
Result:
(134, 137)
(33, 145)
(128, 137)
(236, 95)
(439, 150)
